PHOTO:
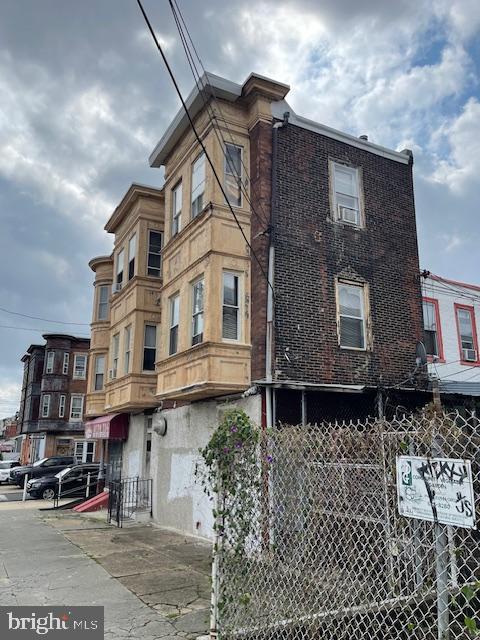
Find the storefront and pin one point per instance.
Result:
(109, 432)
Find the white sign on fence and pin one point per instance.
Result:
(436, 489)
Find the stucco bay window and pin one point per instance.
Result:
(351, 315)
(102, 302)
(128, 339)
(149, 347)
(99, 373)
(174, 320)
(177, 209)
(115, 350)
(119, 270)
(198, 184)
(233, 174)
(132, 248)
(154, 257)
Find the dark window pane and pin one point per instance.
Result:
(173, 340)
(431, 343)
(351, 333)
(149, 359)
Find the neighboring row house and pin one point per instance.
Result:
(304, 305)
(51, 415)
(451, 312)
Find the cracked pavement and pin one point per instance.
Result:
(154, 584)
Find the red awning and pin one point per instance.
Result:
(112, 427)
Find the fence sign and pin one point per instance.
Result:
(436, 489)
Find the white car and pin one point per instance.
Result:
(5, 466)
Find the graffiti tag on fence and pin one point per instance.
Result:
(436, 489)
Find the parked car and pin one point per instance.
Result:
(74, 481)
(5, 466)
(43, 467)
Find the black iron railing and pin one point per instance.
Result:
(129, 497)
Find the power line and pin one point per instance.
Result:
(6, 326)
(210, 112)
(199, 140)
(24, 315)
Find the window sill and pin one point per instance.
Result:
(469, 363)
(357, 349)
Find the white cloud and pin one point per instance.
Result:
(461, 167)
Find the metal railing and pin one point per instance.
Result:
(82, 492)
(127, 498)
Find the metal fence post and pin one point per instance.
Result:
(441, 565)
(87, 492)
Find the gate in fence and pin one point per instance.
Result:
(327, 555)
(129, 499)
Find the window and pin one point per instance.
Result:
(431, 328)
(346, 194)
(150, 347)
(198, 185)
(102, 308)
(233, 174)
(76, 408)
(80, 366)
(49, 364)
(176, 209)
(197, 312)
(66, 362)
(119, 272)
(352, 315)
(61, 406)
(174, 319)
(230, 311)
(45, 406)
(99, 372)
(84, 451)
(132, 248)
(115, 348)
(128, 332)
(467, 334)
(154, 258)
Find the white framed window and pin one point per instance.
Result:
(45, 405)
(430, 328)
(99, 373)
(351, 313)
(346, 194)
(132, 249)
(198, 184)
(50, 361)
(467, 333)
(66, 362)
(176, 209)
(149, 347)
(154, 257)
(119, 270)
(102, 303)
(76, 407)
(233, 174)
(61, 406)
(231, 306)
(115, 350)
(128, 336)
(174, 320)
(80, 366)
(197, 311)
(84, 451)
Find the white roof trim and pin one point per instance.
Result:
(279, 108)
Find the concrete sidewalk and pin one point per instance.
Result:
(80, 561)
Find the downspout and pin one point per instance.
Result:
(271, 273)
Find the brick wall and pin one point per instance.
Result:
(260, 188)
(311, 250)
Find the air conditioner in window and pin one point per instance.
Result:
(469, 355)
(117, 287)
(348, 215)
(110, 374)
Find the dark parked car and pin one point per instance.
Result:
(43, 467)
(74, 481)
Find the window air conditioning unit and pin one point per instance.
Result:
(469, 355)
(110, 374)
(117, 287)
(347, 214)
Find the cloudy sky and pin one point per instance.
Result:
(84, 98)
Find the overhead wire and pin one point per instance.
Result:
(200, 142)
(206, 86)
(24, 315)
(34, 329)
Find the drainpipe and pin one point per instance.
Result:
(271, 262)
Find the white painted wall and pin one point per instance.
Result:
(134, 454)
(179, 501)
(448, 294)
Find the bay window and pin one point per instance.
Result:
(230, 307)
(197, 311)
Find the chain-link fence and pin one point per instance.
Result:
(323, 553)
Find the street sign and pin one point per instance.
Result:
(436, 489)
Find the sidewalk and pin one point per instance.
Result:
(77, 561)
(169, 572)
